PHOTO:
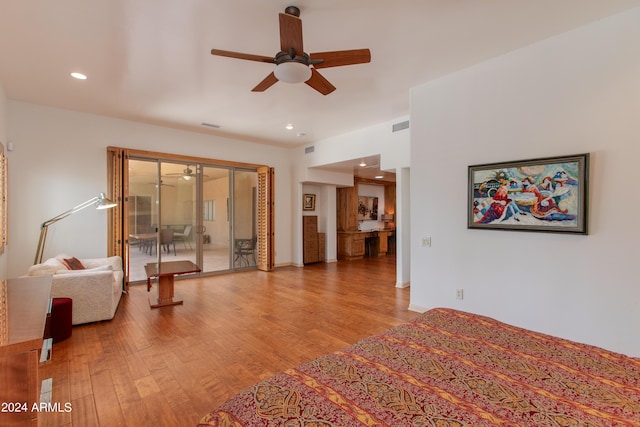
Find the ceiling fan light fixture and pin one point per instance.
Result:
(292, 72)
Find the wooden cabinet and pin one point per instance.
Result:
(313, 245)
(347, 209)
(383, 239)
(24, 304)
(321, 247)
(351, 245)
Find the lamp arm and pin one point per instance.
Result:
(71, 211)
(45, 225)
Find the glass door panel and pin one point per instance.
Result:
(178, 199)
(142, 216)
(245, 218)
(215, 230)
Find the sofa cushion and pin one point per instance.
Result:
(50, 266)
(86, 270)
(73, 263)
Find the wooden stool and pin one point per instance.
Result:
(61, 319)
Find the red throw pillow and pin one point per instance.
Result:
(73, 263)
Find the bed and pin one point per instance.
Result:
(447, 368)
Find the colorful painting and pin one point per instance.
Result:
(547, 194)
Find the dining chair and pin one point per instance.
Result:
(245, 248)
(166, 240)
(184, 237)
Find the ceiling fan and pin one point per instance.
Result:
(186, 174)
(293, 65)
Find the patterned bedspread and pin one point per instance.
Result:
(447, 368)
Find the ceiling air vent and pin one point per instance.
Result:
(400, 126)
(210, 125)
(308, 150)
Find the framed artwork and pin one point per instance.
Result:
(367, 208)
(548, 194)
(309, 202)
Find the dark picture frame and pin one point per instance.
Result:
(309, 202)
(546, 194)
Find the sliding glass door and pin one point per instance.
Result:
(190, 211)
(245, 232)
(215, 229)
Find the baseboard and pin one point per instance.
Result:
(417, 308)
(286, 264)
(403, 284)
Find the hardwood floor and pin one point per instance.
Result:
(171, 366)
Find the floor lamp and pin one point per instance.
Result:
(100, 202)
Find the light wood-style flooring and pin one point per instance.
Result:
(171, 366)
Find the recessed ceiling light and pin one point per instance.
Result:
(362, 164)
(379, 176)
(79, 76)
(289, 126)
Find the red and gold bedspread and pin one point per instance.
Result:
(447, 368)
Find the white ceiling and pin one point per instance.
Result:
(150, 61)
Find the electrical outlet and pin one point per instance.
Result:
(459, 294)
(426, 242)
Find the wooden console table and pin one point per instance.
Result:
(165, 272)
(24, 304)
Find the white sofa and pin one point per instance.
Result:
(95, 290)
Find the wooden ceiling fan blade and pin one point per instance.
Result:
(291, 34)
(341, 57)
(319, 83)
(265, 84)
(247, 56)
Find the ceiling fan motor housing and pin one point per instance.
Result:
(292, 10)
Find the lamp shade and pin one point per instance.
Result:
(104, 203)
(292, 72)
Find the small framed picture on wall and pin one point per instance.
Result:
(309, 202)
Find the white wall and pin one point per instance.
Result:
(577, 92)
(60, 161)
(393, 147)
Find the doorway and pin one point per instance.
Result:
(190, 210)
